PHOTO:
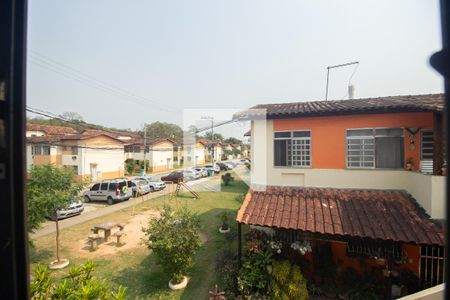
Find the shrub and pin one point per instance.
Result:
(287, 282)
(240, 198)
(227, 268)
(129, 166)
(174, 239)
(78, 284)
(227, 178)
(224, 216)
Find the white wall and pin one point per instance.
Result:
(29, 157)
(106, 160)
(428, 190)
(34, 133)
(159, 158)
(433, 293)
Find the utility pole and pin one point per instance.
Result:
(144, 169)
(336, 66)
(212, 137)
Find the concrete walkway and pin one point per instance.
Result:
(49, 227)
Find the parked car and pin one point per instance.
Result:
(110, 191)
(75, 208)
(154, 183)
(192, 173)
(202, 170)
(223, 167)
(231, 164)
(177, 176)
(215, 168)
(143, 185)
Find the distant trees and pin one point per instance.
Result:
(71, 116)
(217, 136)
(164, 130)
(233, 140)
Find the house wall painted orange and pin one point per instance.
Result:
(328, 133)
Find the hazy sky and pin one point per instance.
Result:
(123, 63)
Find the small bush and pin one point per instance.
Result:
(129, 166)
(240, 198)
(287, 282)
(78, 284)
(174, 239)
(227, 178)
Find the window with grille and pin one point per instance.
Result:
(292, 148)
(432, 265)
(40, 150)
(426, 151)
(74, 150)
(375, 148)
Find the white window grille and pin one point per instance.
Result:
(432, 265)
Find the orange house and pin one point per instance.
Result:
(366, 177)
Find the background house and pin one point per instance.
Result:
(92, 156)
(159, 153)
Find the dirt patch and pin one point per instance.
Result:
(132, 238)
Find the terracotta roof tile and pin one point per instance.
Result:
(376, 214)
(410, 103)
(51, 129)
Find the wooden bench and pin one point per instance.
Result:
(118, 235)
(92, 240)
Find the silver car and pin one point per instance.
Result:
(110, 191)
(154, 183)
(140, 187)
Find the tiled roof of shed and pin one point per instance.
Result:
(375, 214)
(410, 103)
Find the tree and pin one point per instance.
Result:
(233, 140)
(217, 136)
(71, 116)
(49, 189)
(174, 239)
(164, 130)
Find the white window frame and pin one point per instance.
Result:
(289, 157)
(367, 137)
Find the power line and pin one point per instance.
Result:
(77, 75)
(96, 148)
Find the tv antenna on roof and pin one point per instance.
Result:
(337, 66)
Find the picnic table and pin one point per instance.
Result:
(106, 228)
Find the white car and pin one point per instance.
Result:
(75, 208)
(230, 166)
(203, 172)
(191, 173)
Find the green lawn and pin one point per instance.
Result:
(137, 269)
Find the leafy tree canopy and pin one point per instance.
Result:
(164, 130)
(49, 189)
(233, 140)
(217, 136)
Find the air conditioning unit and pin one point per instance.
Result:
(74, 157)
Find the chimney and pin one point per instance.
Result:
(351, 91)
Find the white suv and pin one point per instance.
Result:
(110, 191)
